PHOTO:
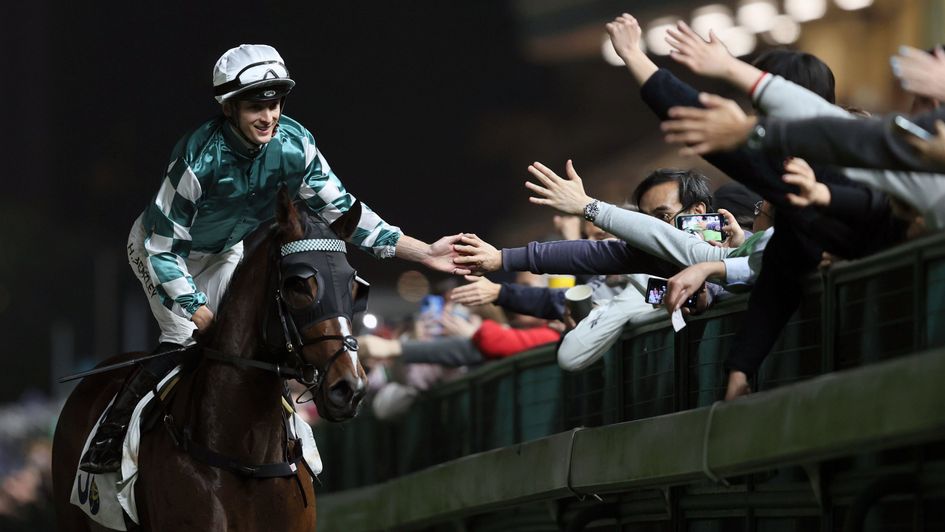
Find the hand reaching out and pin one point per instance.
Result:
(566, 195)
(480, 291)
(687, 283)
(720, 126)
(706, 58)
(920, 72)
(476, 255)
(811, 192)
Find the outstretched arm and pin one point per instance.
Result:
(642, 232)
(436, 256)
(710, 58)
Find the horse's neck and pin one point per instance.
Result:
(238, 409)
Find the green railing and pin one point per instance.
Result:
(858, 313)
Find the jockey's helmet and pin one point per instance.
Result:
(251, 72)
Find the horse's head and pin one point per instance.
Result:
(317, 295)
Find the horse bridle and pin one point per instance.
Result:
(292, 340)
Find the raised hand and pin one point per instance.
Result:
(720, 126)
(810, 191)
(706, 58)
(625, 35)
(566, 195)
(480, 291)
(920, 72)
(476, 256)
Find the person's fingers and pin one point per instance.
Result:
(543, 178)
(473, 279)
(689, 32)
(690, 138)
(468, 250)
(540, 201)
(713, 100)
(715, 243)
(471, 240)
(920, 145)
(798, 172)
(797, 180)
(687, 113)
(799, 166)
(730, 221)
(537, 189)
(549, 173)
(939, 125)
(697, 150)
(572, 173)
(683, 59)
(461, 271)
(682, 125)
(797, 201)
(713, 38)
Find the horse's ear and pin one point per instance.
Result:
(287, 215)
(345, 225)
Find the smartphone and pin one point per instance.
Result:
(431, 312)
(656, 291)
(431, 307)
(905, 125)
(707, 226)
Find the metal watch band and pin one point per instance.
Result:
(591, 210)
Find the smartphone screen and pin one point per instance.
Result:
(656, 291)
(707, 226)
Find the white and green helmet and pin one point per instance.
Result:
(251, 72)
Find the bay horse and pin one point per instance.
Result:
(288, 310)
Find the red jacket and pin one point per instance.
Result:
(495, 340)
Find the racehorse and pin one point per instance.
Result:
(287, 313)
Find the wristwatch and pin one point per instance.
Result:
(591, 210)
(757, 137)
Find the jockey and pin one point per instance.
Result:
(220, 184)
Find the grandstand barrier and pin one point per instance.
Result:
(515, 436)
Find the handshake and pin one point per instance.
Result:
(474, 255)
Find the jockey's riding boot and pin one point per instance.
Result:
(104, 453)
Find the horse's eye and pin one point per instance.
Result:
(300, 292)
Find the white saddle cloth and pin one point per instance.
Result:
(106, 497)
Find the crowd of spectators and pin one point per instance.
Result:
(815, 182)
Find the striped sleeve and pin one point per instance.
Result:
(323, 192)
(168, 240)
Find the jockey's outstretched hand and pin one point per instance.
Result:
(436, 256)
(477, 255)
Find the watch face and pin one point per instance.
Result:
(756, 137)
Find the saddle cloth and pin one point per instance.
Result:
(105, 498)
